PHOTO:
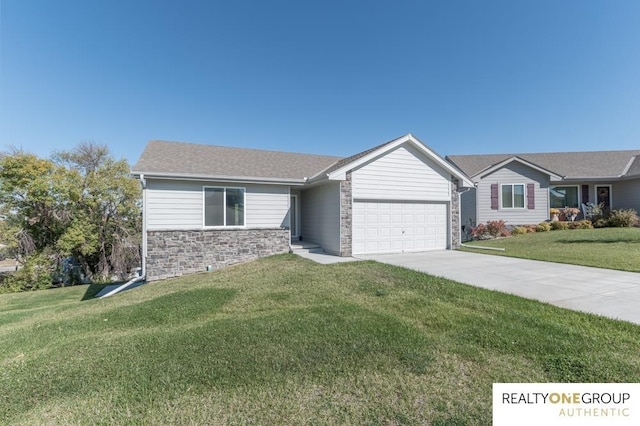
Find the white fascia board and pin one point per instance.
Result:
(491, 169)
(340, 174)
(238, 179)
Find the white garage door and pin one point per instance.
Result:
(383, 227)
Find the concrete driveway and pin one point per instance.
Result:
(614, 294)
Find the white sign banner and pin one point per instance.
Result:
(566, 404)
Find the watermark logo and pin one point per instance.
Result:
(566, 404)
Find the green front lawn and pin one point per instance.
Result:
(287, 341)
(610, 248)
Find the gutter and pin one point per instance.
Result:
(572, 179)
(318, 178)
(239, 179)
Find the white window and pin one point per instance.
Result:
(563, 196)
(223, 206)
(513, 196)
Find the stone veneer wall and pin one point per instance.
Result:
(346, 216)
(175, 253)
(455, 214)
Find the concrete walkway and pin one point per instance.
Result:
(614, 294)
(325, 258)
(314, 252)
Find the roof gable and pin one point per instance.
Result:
(489, 170)
(336, 171)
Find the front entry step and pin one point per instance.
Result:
(306, 247)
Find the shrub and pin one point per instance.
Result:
(600, 222)
(492, 229)
(531, 228)
(496, 228)
(519, 230)
(559, 226)
(583, 224)
(543, 227)
(623, 218)
(35, 274)
(598, 210)
(479, 232)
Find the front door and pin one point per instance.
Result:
(294, 218)
(603, 195)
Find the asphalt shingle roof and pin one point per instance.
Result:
(634, 170)
(178, 158)
(586, 164)
(189, 159)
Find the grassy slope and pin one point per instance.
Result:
(611, 248)
(287, 341)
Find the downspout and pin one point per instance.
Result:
(450, 218)
(290, 224)
(143, 183)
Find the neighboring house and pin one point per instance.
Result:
(210, 206)
(521, 188)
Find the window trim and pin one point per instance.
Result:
(578, 192)
(524, 196)
(294, 225)
(224, 208)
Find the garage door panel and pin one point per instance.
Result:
(381, 227)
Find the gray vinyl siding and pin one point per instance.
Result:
(514, 173)
(402, 174)
(468, 208)
(179, 204)
(173, 205)
(320, 210)
(626, 195)
(267, 206)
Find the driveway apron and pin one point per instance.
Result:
(614, 294)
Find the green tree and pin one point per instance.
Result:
(105, 233)
(81, 203)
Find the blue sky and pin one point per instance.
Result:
(325, 77)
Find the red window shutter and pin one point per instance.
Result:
(494, 196)
(531, 196)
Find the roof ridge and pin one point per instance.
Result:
(548, 152)
(236, 148)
